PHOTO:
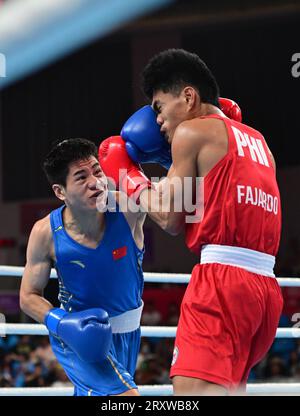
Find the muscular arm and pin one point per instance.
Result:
(37, 272)
(137, 229)
(167, 203)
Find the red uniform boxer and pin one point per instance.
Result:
(231, 309)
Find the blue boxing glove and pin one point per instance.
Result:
(144, 141)
(87, 333)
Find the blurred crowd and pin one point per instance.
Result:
(28, 361)
(281, 364)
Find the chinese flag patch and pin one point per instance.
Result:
(118, 253)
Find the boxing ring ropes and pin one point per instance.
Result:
(147, 331)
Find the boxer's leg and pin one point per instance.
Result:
(188, 386)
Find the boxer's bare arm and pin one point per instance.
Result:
(37, 271)
(134, 218)
(166, 202)
(196, 147)
(136, 223)
(139, 231)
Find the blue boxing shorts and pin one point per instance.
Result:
(114, 375)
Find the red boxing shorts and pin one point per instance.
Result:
(228, 321)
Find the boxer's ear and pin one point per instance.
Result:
(190, 96)
(59, 191)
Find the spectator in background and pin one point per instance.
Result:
(6, 379)
(24, 345)
(150, 316)
(294, 363)
(61, 380)
(144, 353)
(283, 347)
(35, 378)
(7, 344)
(296, 374)
(44, 352)
(172, 314)
(149, 372)
(276, 371)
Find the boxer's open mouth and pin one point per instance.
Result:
(96, 194)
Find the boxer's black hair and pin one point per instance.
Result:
(173, 69)
(57, 162)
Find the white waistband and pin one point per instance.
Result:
(251, 260)
(126, 322)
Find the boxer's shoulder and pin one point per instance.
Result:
(194, 132)
(41, 235)
(42, 227)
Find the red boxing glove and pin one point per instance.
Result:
(230, 109)
(117, 165)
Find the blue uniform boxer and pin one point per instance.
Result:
(108, 277)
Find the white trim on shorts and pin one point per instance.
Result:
(251, 260)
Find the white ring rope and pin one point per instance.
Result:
(147, 331)
(152, 390)
(149, 277)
